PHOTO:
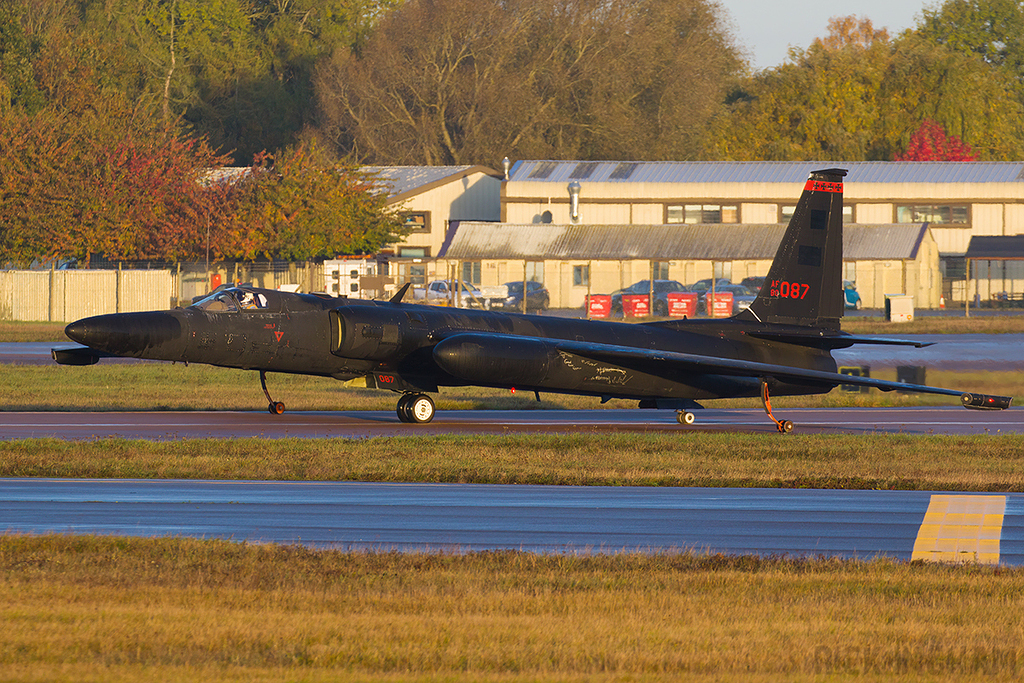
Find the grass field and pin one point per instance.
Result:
(99, 609)
(978, 463)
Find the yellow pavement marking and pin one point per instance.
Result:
(961, 529)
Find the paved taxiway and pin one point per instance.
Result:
(361, 424)
(862, 524)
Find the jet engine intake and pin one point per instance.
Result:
(366, 333)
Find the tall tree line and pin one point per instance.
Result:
(110, 109)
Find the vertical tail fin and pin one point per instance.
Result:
(804, 283)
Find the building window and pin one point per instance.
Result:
(417, 221)
(416, 273)
(580, 276)
(471, 272)
(787, 213)
(660, 270)
(943, 214)
(414, 252)
(702, 213)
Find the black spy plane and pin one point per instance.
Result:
(781, 345)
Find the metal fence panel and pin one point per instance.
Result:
(143, 290)
(67, 295)
(88, 292)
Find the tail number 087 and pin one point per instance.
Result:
(789, 290)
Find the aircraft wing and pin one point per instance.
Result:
(671, 362)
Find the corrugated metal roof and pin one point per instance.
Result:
(996, 247)
(768, 171)
(402, 180)
(475, 240)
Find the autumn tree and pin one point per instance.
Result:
(821, 104)
(469, 81)
(931, 142)
(17, 84)
(238, 72)
(858, 94)
(967, 97)
(94, 170)
(992, 30)
(301, 204)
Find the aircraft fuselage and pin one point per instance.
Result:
(407, 347)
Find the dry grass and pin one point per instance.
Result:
(163, 386)
(938, 324)
(983, 463)
(88, 608)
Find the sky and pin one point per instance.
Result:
(766, 28)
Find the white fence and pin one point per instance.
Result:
(67, 295)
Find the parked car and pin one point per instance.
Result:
(850, 296)
(742, 297)
(472, 296)
(701, 286)
(537, 297)
(643, 288)
(753, 283)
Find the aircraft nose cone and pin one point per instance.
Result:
(139, 335)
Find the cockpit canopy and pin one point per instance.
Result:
(232, 300)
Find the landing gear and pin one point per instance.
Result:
(784, 426)
(275, 407)
(685, 417)
(415, 408)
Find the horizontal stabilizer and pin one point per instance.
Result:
(832, 341)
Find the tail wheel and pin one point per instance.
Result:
(276, 408)
(685, 417)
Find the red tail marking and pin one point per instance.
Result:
(822, 186)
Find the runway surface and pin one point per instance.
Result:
(361, 424)
(462, 518)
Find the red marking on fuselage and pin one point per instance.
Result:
(278, 335)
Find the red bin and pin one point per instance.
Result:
(599, 305)
(636, 305)
(682, 304)
(720, 305)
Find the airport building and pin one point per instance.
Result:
(591, 227)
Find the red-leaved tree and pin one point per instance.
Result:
(931, 142)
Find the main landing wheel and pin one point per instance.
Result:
(415, 408)
(685, 417)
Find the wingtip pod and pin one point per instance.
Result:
(985, 402)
